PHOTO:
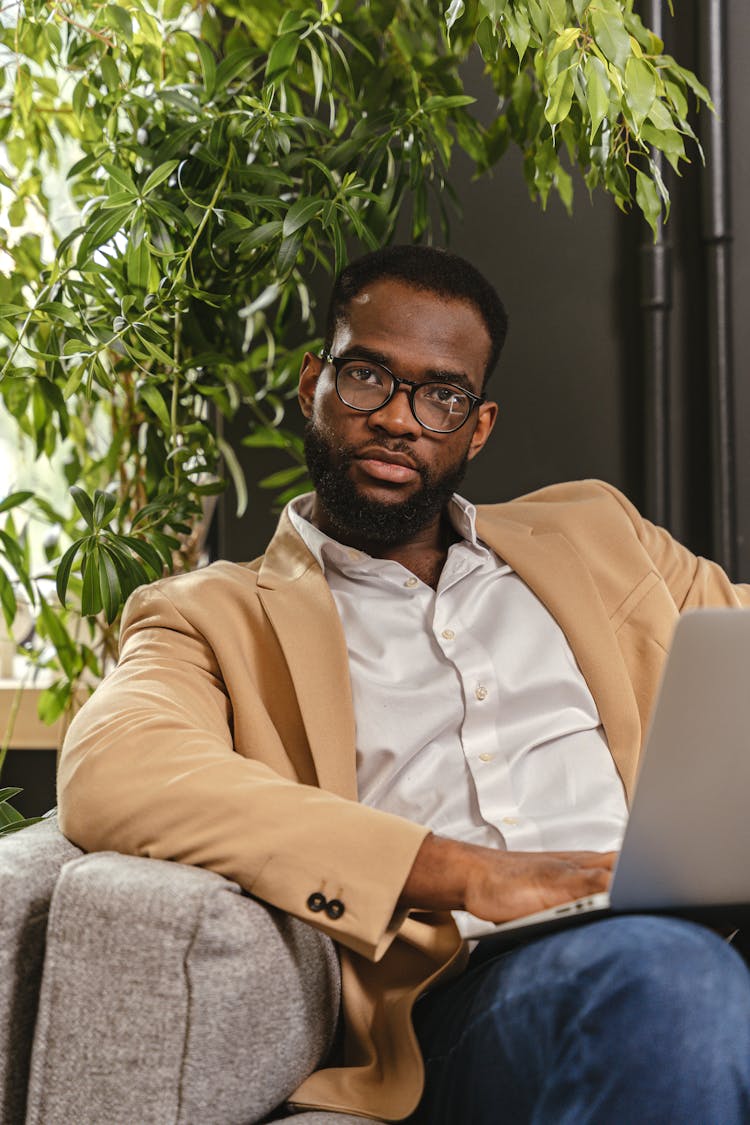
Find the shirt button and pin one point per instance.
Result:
(511, 820)
(411, 581)
(486, 757)
(447, 634)
(481, 692)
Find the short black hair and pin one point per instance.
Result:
(425, 268)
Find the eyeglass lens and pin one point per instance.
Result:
(438, 406)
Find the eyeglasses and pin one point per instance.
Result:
(366, 386)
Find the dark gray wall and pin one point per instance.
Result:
(738, 38)
(561, 382)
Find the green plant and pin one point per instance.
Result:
(175, 170)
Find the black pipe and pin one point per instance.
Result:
(656, 308)
(717, 240)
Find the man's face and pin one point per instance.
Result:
(381, 478)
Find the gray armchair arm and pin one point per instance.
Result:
(168, 996)
(30, 862)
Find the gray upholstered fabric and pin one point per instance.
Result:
(169, 997)
(29, 864)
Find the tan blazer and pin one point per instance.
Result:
(225, 738)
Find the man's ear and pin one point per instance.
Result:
(312, 365)
(487, 416)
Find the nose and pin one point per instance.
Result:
(395, 417)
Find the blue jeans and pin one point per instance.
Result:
(635, 1020)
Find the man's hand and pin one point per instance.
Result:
(499, 885)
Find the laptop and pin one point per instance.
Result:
(686, 848)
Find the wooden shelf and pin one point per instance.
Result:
(29, 732)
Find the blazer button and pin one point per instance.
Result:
(317, 902)
(335, 909)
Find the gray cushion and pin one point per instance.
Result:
(168, 996)
(29, 864)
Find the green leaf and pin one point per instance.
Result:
(236, 473)
(640, 86)
(61, 312)
(299, 214)
(120, 19)
(288, 252)
(454, 13)
(282, 56)
(138, 263)
(159, 175)
(9, 816)
(446, 101)
(13, 499)
(260, 236)
(232, 66)
(668, 141)
(91, 595)
(53, 701)
(560, 96)
(148, 553)
(9, 793)
(109, 72)
(597, 92)
(64, 568)
(104, 505)
(611, 36)
(565, 41)
(208, 66)
(153, 399)
(121, 178)
(109, 585)
(57, 633)
(7, 599)
(80, 96)
(84, 504)
(519, 30)
(166, 545)
(102, 230)
(283, 477)
(8, 312)
(648, 199)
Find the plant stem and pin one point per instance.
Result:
(206, 214)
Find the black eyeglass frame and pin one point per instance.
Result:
(338, 362)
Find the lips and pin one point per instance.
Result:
(383, 465)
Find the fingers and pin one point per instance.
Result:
(588, 859)
(512, 884)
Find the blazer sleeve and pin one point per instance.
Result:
(149, 768)
(693, 581)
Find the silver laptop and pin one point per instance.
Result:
(686, 848)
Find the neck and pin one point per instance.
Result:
(423, 554)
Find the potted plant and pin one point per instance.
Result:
(173, 171)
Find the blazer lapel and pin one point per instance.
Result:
(552, 568)
(303, 615)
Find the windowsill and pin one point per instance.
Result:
(29, 732)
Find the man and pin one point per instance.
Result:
(402, 711)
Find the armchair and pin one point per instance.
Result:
(140, 990)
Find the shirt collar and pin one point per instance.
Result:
(326, 550)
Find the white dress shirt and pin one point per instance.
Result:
(472, 715)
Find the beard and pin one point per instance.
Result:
(355, 517)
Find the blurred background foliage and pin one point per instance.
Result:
(172, 174)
